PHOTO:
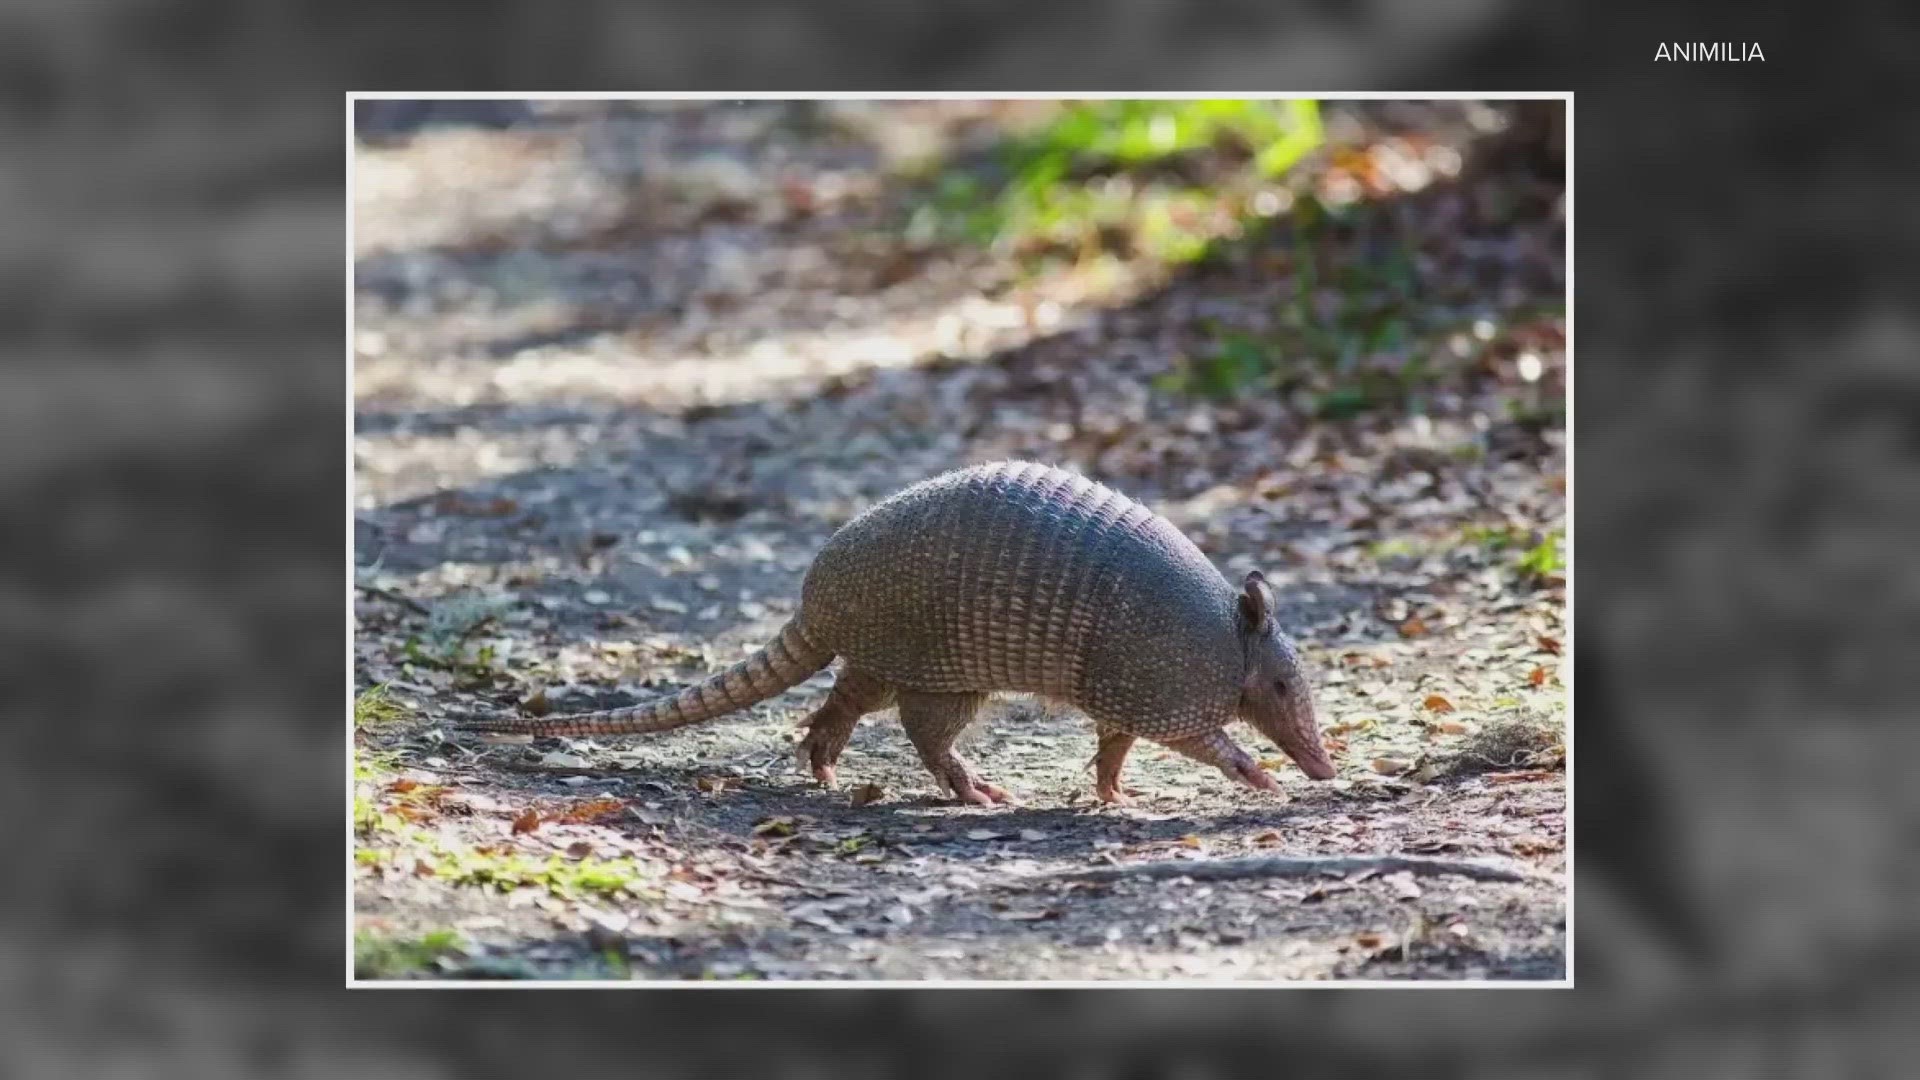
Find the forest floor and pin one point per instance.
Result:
(620, 372)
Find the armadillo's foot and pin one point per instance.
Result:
(1107, 761)
(830, 726)
(821, 748)
(933, 722)
(1217, 749)
(956, 778)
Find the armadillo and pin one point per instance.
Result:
(1014, 577)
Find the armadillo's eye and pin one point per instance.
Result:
(1280, 684)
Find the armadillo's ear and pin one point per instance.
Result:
(1256, 603)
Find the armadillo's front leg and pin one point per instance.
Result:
(933, 722)
(1107, 761)
(854, 695)
(1217, 749)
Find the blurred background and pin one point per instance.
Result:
(173, 253)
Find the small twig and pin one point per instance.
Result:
(1284, 866)
(388, 594)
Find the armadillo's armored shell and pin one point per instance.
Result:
(1022, 577)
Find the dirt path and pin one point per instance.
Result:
(607, 411)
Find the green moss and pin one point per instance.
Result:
(378, 956)
(565, 878)
(372, 708)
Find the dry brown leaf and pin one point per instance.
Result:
(403, 785)
(1436, 703)
(1368, 940)
(579, 849)
(528, 821)
(1413, 627)
(1387, 766)
(868, 793)
(537, 703)
(1539, 676)
(1191, 840)
(1551, 644)
(592, 810)
(1450, 727)
(712, 784)
(1269, 836)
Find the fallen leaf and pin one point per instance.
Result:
(1404, 887)
(1539, 676)
(712, 784)
(1436, 703)
(537, 704)
(774, 826)
(1368, 941)
(528, 821)
(868, 793)
(899, 914)
(403, 785)
(1270, 836)
(579, 849)
(1387, 766)
(1191, 840)
(592, 810)
(1451, 727)
(1413, 627)
(1551, 644)
(982, 834)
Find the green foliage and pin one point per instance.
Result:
(1546, 558)
(1494, 538)
(1536, 560)
(377, 956)
(443, 644)
(564, 878)
(1104, 172)
(372, 708)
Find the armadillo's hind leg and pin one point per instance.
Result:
(1217, 749)
(1107, 761)
(854, 695)
(933, 722)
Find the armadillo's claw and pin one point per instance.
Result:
(1216, 749)
(1251, 774)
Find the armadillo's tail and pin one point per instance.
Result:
(785, 661)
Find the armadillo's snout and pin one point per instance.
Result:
(1316, 764)
(1293, 728)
